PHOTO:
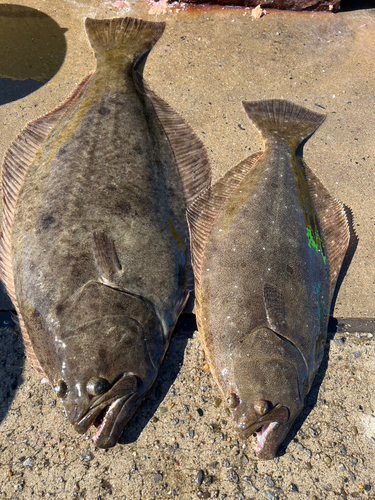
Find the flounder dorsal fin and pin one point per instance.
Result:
(189, 151)
(275, 307)
(106, 257)
(333, 223)
(204, 211)
(18, 159)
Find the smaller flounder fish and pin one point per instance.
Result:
(94, 246)
(268, 242)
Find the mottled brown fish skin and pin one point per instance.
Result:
(265, 272)
(99, 237)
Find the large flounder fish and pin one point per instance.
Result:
(268, 243)
(94, 246)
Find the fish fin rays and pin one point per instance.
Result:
(106, 257)
(275, 307)
(18, 159)
(125, 35)
(189, 151)
(204, 211)
(278, 118)
(334, 226)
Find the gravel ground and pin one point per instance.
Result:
(181, 444)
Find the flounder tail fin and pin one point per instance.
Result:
(279, 119)
(130, 37)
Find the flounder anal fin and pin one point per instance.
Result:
(106, 257)
(204, 211)
(275, 307)
(189, 151)
(333, 223)
(18, 159)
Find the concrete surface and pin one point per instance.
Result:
(206, 63)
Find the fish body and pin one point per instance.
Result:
(94, 247)
(268, 243)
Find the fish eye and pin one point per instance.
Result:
(261, 407)
(60, 389)
(233, 400)
(97, 386)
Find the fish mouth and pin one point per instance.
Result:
(270, 430)
(110, 413)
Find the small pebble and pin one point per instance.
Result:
(163, 409)
(226, 463)
(240, 496)
(294, 488)
(233, 477)
(342, 450)
(203, 494)
(352, 476)
(200, 412)
(19, 486)
(373, 440)
(367, 488)
(191, 433)
(87, 456)
(308, 452)
(313, 433)
(29, 462)
(269, 495)
(342, 467)
(357, 354)
(199, 478)
(217, 402)
(158, 477)
(248, 480)
(354, 430)
(269, 481)
(328, 460)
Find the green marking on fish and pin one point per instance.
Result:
(315, 241)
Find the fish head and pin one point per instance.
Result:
(108, 362)
(264, 394)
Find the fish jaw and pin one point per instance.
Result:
(112, 412)
(270, 430)
(269, 439)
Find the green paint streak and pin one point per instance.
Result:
(315, 241)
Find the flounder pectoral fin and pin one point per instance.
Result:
(106, 257)
(275, 307)
(206, 208)
(20, 155)
(189, 151)
(334, 226)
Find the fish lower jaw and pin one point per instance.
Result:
(103, 417)
(263, 448)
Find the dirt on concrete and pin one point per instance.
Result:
(181, 443)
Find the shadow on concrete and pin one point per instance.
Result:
(168, 373)
(310, 402)
(347, 5)
(12, 359)
(32, 50)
